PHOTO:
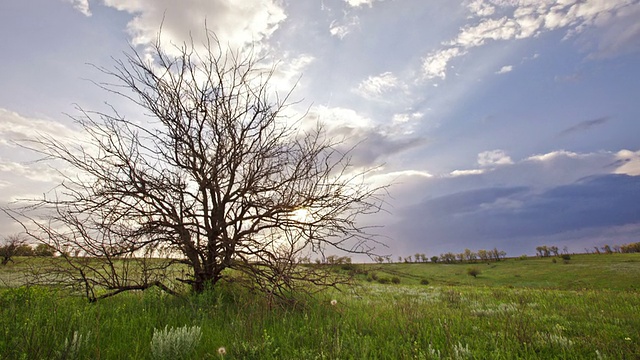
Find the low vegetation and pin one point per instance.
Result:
(527, 309)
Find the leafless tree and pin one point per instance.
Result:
(216, 177)
(12, 246)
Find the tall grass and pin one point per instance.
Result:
(369, 321)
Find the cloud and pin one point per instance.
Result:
(358, 3)
(435, 64)
(236, 23)
(340, 29)
(626, 162)
(510, 217)
(373, 142)
(381, 87)
(81, 5)
(16, 128)
(505, 69)
(574, 198)
(508, 20)
(584, 125)
(493, 158)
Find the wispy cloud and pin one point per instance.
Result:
(380, 87)
(584, 125)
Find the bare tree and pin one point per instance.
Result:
(13, 245)
(216, 178)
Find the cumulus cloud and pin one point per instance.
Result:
(236, 23)
(495, 20)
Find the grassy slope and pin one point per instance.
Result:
(613, 272)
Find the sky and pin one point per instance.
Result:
(499, 123)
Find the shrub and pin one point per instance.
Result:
(474, 271)
(174, 343)
(566, 257)
(384, 280)
(424, 282)
(395, 280)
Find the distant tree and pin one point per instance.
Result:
(216, 177)
(13, 245)
(448, 257)
(434, 259)
(483, 255)
(43, 250)
(554, 250)
(469, 255)
(607, 249)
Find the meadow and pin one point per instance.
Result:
(535, 308)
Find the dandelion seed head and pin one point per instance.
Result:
(334, 302)
(222, 350)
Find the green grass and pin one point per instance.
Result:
(587, 309)
(611, 271)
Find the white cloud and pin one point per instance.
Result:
(521, 19)
(34, 172)
(466, 172)
(236, 23)
(627, 162)
(289, 71)
(15, 127)
(81, 5)
(481, 8)
(505, 69)
(404, 118)
(340, 29)
(493, 158)
(376, 87)
(357, 3)
(553, 155)
(352, 128)
(435, 64)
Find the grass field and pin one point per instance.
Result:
(515, 309)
